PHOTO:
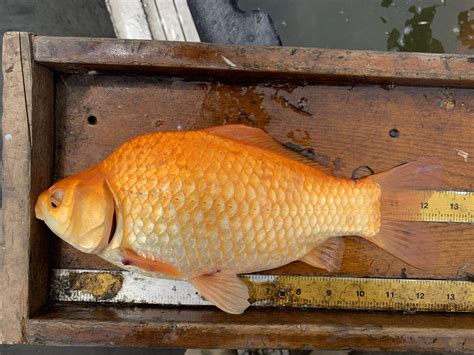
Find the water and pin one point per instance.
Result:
(436, 26)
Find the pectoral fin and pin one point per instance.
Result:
(327, 255)
(132, 258)
(225, 291)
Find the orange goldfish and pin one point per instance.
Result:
(207, 205)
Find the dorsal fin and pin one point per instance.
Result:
(258, 138)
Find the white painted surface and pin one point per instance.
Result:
(168, 20)
(154, 20)
(129, 19)
(187, 22)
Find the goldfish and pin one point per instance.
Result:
(207, 205)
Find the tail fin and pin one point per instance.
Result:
(408, 241)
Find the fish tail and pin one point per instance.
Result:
(407, 240)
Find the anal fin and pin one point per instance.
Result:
(132, 258)
(225, 291)
(327, 255)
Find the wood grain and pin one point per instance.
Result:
(27, 163)
(111, 55)
(345, 126)
(16, 184)
(2, 277)
(257, 328)
(39, 89)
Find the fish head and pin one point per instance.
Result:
(79, 210)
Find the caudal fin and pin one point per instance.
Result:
(408, 241)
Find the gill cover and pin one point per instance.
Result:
(79, 210)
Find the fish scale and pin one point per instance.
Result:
(203, 203)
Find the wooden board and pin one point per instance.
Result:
(251, 62)
(210, 328)
(346, 127)
(27, 170)
(338, 105)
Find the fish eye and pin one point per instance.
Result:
(56, 198)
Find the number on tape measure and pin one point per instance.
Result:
(434, 206)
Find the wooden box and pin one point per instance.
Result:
(68, 102)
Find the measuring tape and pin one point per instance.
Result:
(362, 293)
(270, 290)
(433, 206)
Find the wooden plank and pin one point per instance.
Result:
(346, 127)
(2, 255)
(129, 19)
(39, 88)
(84, 54)
(2, 277)
(208, 328)
(186, 21)
(16, 185)
(170, 20)
(154, 20)
(27, 128)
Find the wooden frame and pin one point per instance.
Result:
(29, 67)
(28, 165)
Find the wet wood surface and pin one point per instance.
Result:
(346, 129)
(256, 328)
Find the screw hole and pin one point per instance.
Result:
(394, 133)
(92, 120)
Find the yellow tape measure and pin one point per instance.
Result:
(361, 293)
(434, 206)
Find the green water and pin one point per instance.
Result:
(441, 26)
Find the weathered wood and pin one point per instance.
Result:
(129, 19)
(16, 183)
(16, 149)
(210, 328)
(2, 277)
(111, 55)
(27, 163)
(39, 89)
(347, 127)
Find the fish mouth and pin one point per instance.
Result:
(39, 213)
(39, 208)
